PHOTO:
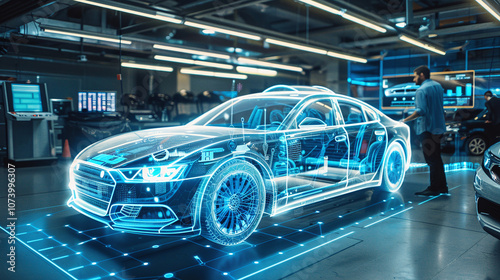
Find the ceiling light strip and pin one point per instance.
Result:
(490, 10)
(347, 57)
(223, 30)
(190, 51)
(87, 36)
(421, 44)
(296, 46)
(213, 74)
(132, 10)
(269, 64)
(193, 62)
(147, 67)
(343, 14)
(256, 71)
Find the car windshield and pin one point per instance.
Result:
(252, 113)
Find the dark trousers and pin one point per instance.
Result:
(431, 147)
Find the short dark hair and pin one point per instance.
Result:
(424, 70)
(488, 93)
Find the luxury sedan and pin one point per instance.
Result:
(269, 152)
(487, 186)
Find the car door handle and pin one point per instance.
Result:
(340, 138)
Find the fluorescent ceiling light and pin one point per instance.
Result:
(401, 24)
(213, 74)
(194, 62)
(296, 46)
(223, 30)
(488, 8)
(256, 71)
(87, 35)
(132, 10)
(343, 14)
(147, 67)
(422, 45)
(190, 51)
(269, 64)
(347, 57)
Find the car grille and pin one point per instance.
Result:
(94, 186)
(488, 208)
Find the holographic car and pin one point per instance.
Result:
(269, 152)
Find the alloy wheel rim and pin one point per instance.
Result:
(477, 146)
(236, 203)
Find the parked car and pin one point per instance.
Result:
(487, 187)
(470, 135)
(260, 153)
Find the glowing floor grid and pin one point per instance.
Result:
(84, 249)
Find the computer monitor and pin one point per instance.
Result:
(96, 101)
(26, 97)
(398, 92)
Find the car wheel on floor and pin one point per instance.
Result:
(476, 145)
(393, 168)
(233, 203)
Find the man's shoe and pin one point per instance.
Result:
(430, 192)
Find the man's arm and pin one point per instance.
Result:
(411, 117)
(489, 115)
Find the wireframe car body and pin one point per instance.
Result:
(261, 153)
(487, 187)
(402, 90)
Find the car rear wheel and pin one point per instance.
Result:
(476, 145)
(393, 168)
(233, 203)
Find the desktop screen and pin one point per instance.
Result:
(96, 101)
(26, 98)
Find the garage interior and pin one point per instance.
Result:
(161, 63)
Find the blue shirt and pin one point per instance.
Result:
(429, 106)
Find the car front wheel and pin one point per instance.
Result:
(233, 203)
(393, 168)
(476, 145)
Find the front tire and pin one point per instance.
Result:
(393, 168)
(233, 203)
(476, 145)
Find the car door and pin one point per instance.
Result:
(316, 143)
(367, 141)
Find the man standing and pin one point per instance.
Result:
(430, 127)
(493, 118)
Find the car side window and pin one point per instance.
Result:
(321, 110)
(352, 113)
(370, 115)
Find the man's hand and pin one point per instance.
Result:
(488, 121)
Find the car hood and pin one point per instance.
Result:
(119, 150)
(495, 150)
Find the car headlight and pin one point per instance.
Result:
(487, 160)
(162, 173)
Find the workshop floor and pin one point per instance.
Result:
(364, 235)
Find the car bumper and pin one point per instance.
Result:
(487, 202)
(127, 217)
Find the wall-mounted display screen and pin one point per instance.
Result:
(398, 92)
(24, 97)
(96, 101)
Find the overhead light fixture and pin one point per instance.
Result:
(401, 24)
(222, 30)
(269, 64)
(295, 46)
(256, 71)
(432, 35)
(132, 10)
(421, 45)
(147, 67)
(194, 62)
(347, 57)
(488, 8)
(213, 74)
(342, 13)
(87, 35)
(190, 51)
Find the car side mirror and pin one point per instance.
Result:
(311, 123)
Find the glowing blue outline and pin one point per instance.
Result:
(49, 261)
